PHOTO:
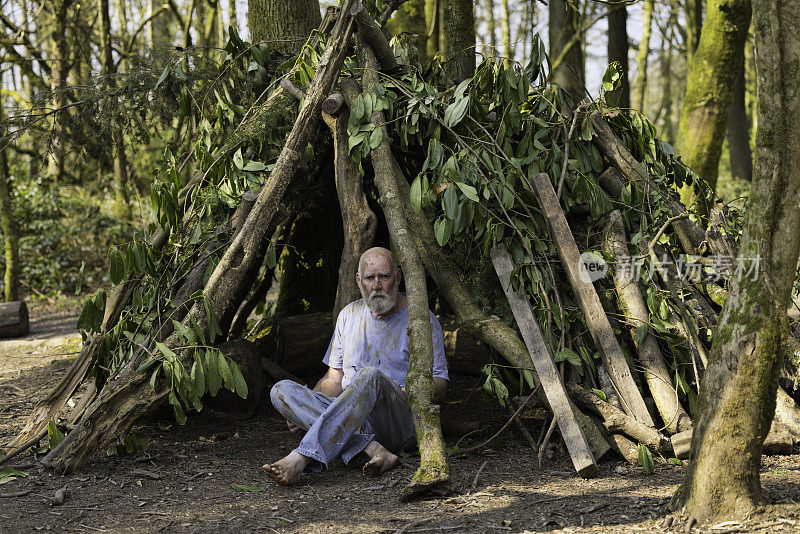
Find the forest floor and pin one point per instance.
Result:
(206, 476)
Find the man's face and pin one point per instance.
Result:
(378, 282)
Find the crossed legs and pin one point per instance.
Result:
(370, 413)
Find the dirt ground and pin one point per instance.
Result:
(206, 477)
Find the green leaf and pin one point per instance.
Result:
(469, 191)
(416, 193)
(641, 333)
(54, 434)
(238, 159)
(166, 351)
(213, 380)
(357, 110)
(184, 331)
(198, 377)
(600, 393)
(568, 355)
(162, 77)
(154, 377)
(646, 459)
(375, 138)
(242, 487)
(443, 229)
(8, 473)
(146, 366)
(450, 202)
(225, 371)
(675, 461)
(254, 166)
(240, 384)
(455, 112)
(117, 266)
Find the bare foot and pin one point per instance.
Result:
(286, 469)
(381, 460)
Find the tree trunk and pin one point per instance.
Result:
(458, 27)
(358, 220)
(130, 396)
(505, 30)
(618, 51)
(566, 52)
(410, 18)
(159, 38)
(739, 132)
(117, 145)
(737, 397)
(709, 92)
(284, 24)
(59, 49)
(693, 11)
(491, 28)
(635, 313)
(640, 91)
(8, 225)
(433, 23)
(434, 469)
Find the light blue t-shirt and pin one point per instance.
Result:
(361, 339)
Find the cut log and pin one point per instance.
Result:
(617, 421)
(14, 319)
(552, 384)
(636, 314)
(778, 441)
(596, 319)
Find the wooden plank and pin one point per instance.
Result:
(545, 367)
(596, 319)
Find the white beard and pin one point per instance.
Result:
(379, 302)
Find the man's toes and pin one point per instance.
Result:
(276, 474)
(373, 468)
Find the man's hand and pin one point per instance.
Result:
(331, 383)
(293, 428)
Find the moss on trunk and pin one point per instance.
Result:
(737, 398)
(709, 92)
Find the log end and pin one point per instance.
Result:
(14, 319)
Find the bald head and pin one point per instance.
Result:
(376, 252)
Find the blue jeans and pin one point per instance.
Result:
(372, 407)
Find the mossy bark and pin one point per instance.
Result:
(458, 38)
(433, 469)
(709, 92)
(9, 229)
(284, 24)
(737, 397)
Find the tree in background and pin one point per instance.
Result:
(737, 397)
(7, 223)
(618, 52)
(566, 53)
(410, 18)
(709, 92)
(285, 23)
(639, 99)
(458, 38)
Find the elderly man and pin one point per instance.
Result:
(360, 404)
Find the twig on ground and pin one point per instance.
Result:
(15, 495)
(478, 474)
(508, 423)
(543, 446)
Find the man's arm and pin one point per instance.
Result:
(439, 389)
(331, 383)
